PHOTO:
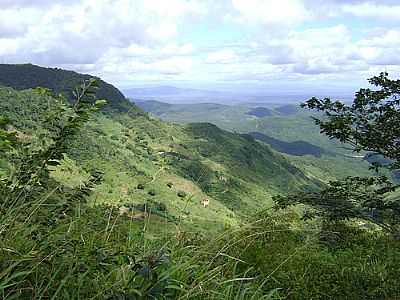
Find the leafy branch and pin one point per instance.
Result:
(372, 124)
(31, 169)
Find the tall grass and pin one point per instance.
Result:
(97, 254)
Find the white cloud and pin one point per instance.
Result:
(15, 22)
(385, 39)
(315, 52)
(372, 10)
(326, 36)
(223, 56)
(205, 40)
(381, 48)
(312, 51)
(144, 63)
(60, 33)
(271, 11)
(174, 8)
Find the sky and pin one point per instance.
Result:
(255, 46)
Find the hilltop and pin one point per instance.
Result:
(27, 76)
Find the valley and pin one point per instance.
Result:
(102, 197)
(287, 129)
(237, 174)
(199, 150)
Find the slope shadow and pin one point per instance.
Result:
(260, 112)
(297, 148)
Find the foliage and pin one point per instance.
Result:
(354, 197)
(132, 159)
(7, 139)
(298, 148)
(26, 76)
(292, 256)
(181, 194)
(54, 245)
(76, 225)
(288, 129)
(371, 124)
(31, 202)
(31, 173)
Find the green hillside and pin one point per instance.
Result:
(117, 204)
(26, 76)
(288, 129)
(237, 174)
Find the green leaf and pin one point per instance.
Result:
(100, 103)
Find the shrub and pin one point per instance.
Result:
(181, 194)
(150, 205)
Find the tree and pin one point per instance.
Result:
(30, 175)
(370, 124)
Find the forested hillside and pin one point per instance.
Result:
(287, 129)
(26, 76)
(100, 204)
(235, 172)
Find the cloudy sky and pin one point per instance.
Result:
(273, 46)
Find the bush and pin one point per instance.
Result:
(181, 194)
(152, 206)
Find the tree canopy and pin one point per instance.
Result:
(371, 124)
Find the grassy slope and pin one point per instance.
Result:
(290, 127)
(93, 253)
(237, 174)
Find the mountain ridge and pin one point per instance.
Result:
(27, 76)
(238, 174)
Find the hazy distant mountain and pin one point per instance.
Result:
(178, 95)
(288, 110)
(175, 95)
(153, 106)
(260, 112)
(166, 91)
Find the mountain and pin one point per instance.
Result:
(288, 109)
(286, 128)
(260, 112)
(176, 95)
(26, 76)
(156, 107)
(236, 173)
(126, 206)
(297, 148)
(166, 91)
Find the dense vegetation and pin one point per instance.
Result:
(100, 205)
(133, 149)
(370, 124)
(288, 130)
(26, 76)
(298, 148)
